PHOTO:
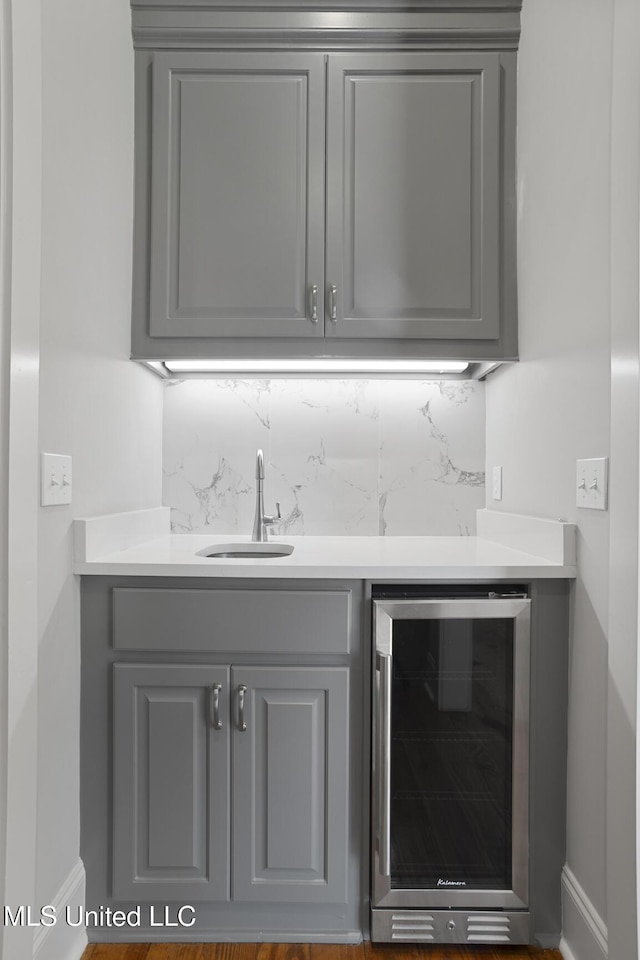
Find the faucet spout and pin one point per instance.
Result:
(261, 523)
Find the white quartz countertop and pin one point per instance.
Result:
(330, 557)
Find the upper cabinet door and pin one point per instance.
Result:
(237, 194)
(413, 195)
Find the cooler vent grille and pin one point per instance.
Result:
(488, 928)
(412, 926)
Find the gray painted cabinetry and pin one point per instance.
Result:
(225, 756)
(236, 201)
(222, 756)
(413, 198)
(172, 782)
(336, 192)
(290, 776)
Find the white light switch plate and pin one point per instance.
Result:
(55, 479)
(592, 483)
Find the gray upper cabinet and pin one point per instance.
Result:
(315, 182)
(237, 194)
(413, 230)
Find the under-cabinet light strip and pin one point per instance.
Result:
(315, 366)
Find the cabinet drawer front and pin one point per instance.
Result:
(251, 621)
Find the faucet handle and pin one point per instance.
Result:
(269, 521)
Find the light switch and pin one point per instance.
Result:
(497, 483)
(55, 480)
(592, 483)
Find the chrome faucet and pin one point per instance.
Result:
(261, 523)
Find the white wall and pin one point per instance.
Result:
(622, 759)
(20, 156)
(95, 405)
(5, 408)
(541, 415)
(555, 406)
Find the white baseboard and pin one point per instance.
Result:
(566, 951)
(225, 935)
(584, 933)
(62, 941)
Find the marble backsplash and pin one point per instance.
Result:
(360, 457)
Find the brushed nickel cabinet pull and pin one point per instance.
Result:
(313, 303)
(333, 303)
(242, 726)
(216, 722)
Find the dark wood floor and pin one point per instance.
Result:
(306, 951)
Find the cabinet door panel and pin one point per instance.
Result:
(413, 225)
(237, 194)
(171, 783)
(291, 785)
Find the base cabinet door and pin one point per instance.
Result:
(290, 784)
(170, 783)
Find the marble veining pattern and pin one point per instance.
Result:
(359, 457)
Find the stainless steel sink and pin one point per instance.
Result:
(246, 551)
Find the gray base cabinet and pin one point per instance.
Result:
(173, 741)
(223, 757)
(226, 757)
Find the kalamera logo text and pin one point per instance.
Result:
(451, 883)
(49, 916)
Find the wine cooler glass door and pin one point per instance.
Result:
(451, 753)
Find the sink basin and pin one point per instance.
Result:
(246, 551)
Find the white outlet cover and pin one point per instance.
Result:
(497, 483)
(592, 481)
(55, 479)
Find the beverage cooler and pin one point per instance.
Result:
(450, 788)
